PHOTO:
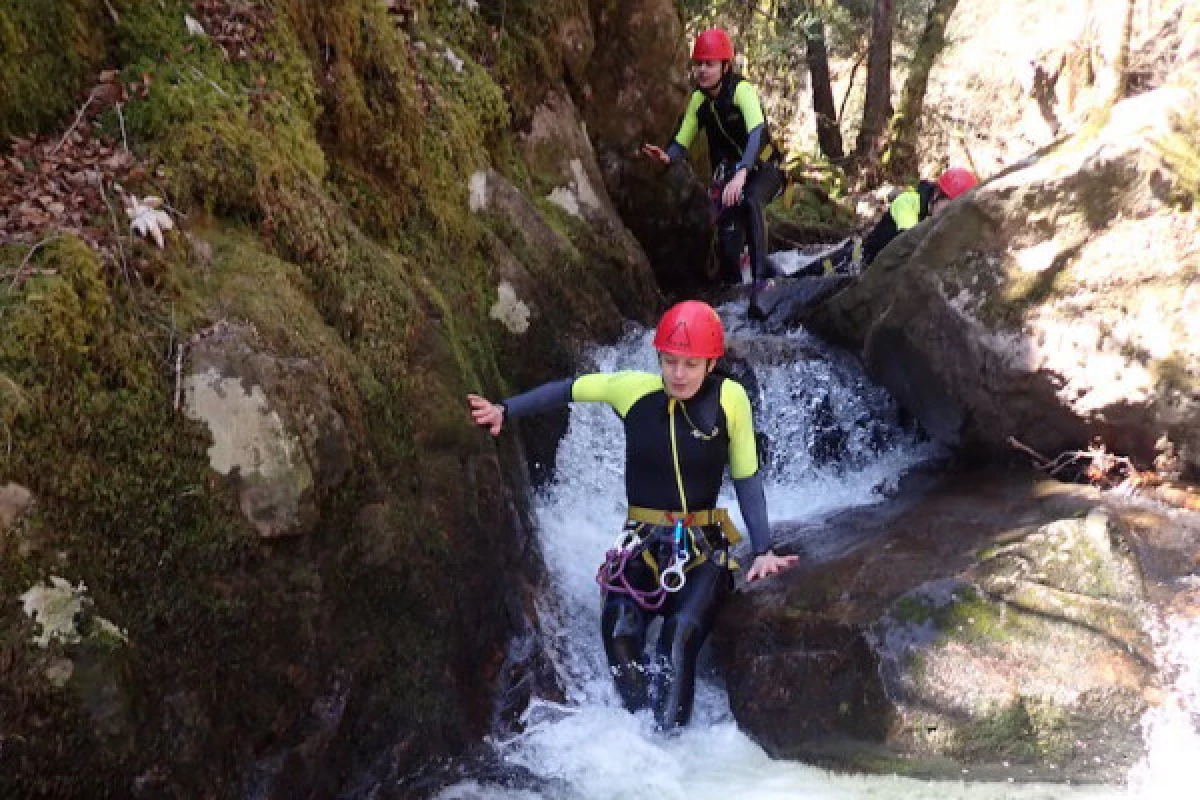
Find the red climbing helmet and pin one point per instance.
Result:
(956, 180)
(713, 44)
(690, 329)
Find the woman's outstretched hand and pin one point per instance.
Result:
(732, 193)
(768, 564)
(656, 152)
(486, 414)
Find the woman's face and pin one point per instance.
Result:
(708, 73)
(682, 375)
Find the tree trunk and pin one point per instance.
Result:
(877, 108)
(901, 159)
(829, 132)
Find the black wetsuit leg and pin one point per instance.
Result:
(763, 183)
(689, 617)
(623, 628)
(731, 238)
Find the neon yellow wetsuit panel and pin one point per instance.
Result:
(712, 430)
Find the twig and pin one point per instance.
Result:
(1041, 459)
(117, 230)
(12, 273)
(16, 276)
(179, 374)
(210, 81)
(850, 85)
(962, 142)
(124, 139)
(74, 124)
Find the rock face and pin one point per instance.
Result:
(1054, 304)
(987, 626)
(275, 431)
(631, 91)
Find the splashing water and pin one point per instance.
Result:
(836, 443)
(1172, 730)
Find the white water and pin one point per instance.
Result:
(591, 749)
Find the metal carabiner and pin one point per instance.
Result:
(627, 539)
(672, 579)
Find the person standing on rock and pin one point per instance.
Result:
(671, 559)
(745, 162)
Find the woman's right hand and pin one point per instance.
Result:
(486, 414)
(656, 152)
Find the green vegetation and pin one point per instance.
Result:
(48, 53)
(327, 181)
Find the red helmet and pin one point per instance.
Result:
(956, 180)
(691, 329)
(713, 44)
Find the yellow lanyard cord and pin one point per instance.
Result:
(675, 453)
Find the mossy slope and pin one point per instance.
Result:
(324, 181)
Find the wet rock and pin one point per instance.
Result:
(994, 624)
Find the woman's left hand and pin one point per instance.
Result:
(732, 194)
(768, 564)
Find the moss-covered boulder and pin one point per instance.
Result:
(1055, 304)
(294, 360)
(993, 626)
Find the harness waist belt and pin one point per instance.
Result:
(697, 519)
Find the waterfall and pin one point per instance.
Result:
(836, 442)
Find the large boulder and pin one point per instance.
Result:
(992, 626)
(1054, 304)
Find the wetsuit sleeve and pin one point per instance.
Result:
(546, 397)
(906, 210)
(753, 146)
(743, 464)
(743, 449)
(619, 389)
(752, 500)
(690, 125)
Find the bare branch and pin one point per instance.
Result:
(75, 124)
(16, 275)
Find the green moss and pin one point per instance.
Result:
(122, 483)
(232, 138)
(1003, 734)
(335, 203)
(913, 610)
(973, 617)
(1025, 731)
(48, 52)
(810, 211)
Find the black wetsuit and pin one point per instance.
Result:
(703, 435)
(910, 207)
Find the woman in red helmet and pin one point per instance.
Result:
(682, 428)
(745, 162)
(913, 205)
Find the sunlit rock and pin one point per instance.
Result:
(1053, 304)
